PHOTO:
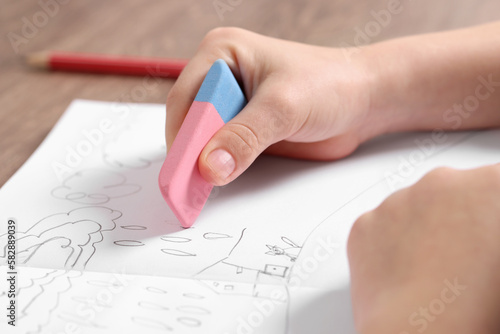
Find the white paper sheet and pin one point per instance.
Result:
(266, 255)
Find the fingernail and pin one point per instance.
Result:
(221, 162)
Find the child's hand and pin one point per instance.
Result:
(427, 260)
(321, 103)
(304, 102)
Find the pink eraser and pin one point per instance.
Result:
(219, 99)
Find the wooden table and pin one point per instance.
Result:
(32, 101)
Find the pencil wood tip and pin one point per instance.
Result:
(38, 60)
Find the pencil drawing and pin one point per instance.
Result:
(291, 252)
(134, 227)
(41, 297)
(140, 154)
(215, 236)
(193, 296)
(176, 252)
(128, 243)
(220, 265)
(68, 239)
(170, 238)
(94, 187)
(193, 309)
(188, 321)
(155, 290)
(151, 323)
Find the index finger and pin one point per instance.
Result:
(184, 91)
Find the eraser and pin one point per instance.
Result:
(219, 99)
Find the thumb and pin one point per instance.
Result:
(238, 143)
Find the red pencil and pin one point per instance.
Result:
(107, 64)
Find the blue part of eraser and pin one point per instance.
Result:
(222, 90)
(219, 99)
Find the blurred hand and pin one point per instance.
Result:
(304, 102)
(428, 259)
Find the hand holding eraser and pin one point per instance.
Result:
(219, 99)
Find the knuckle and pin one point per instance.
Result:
(283, 118)
(285, 100)
(220, 35)
(246, 139)
(225, 43)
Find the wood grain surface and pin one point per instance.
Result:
(32, 101)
